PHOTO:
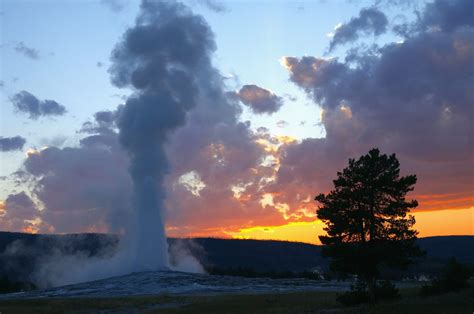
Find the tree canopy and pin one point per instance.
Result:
(366, 217)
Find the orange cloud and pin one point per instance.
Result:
(444, 201)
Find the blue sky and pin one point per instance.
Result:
(71, 37)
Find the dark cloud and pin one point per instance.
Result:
(369, 21)
(105, 122)
(26, 102)
(115, 6)
(2, 84)
(28, 52)
(11, 143)
(259, 100)
(424, 81)
(106, 117)
(448, 15)
(99, 64)
(413, 98)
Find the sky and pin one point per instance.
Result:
(295, 88)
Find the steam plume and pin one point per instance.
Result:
(161, 59)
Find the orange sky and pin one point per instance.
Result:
(428, 223)
(249, 214)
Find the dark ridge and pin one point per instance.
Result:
(20, 253)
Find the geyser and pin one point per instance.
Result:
(165, 59)
(161, 59)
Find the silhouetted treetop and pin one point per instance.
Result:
(366, 217)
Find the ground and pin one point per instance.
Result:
(299, 302)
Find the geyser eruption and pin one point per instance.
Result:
(165, 59)
(161, 59)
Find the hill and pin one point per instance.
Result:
(20, 253)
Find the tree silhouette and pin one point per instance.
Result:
(366, 218)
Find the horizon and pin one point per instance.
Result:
(215, 238)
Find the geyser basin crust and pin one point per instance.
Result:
(178, 283)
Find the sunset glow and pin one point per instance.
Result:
(238, 128)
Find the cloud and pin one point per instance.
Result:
(259, 100)
(19, 213)
(413, 98)
(11, 143)
(26, 102)
(28, 52)
(225, 155)
(105, 122)
(214, 5)
(425, 81)
(57, 141)
(448, 15)
(290, 97)
(84, 188)
(369, 21)
(115, 6)
(282, 124)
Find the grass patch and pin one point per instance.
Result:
(298, 302)
(87, 305)
(450, 303)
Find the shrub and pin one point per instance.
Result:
(454, 277)
(386, 291)
(359, 294)
(353, 297)
(9, 286)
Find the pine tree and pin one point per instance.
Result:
(366, 217)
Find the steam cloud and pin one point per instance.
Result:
(161, 59)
